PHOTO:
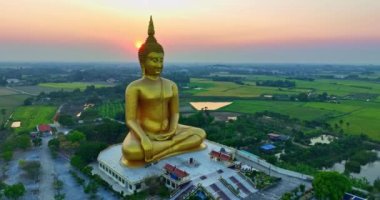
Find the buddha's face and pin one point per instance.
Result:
(153, 63)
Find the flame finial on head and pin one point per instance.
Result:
(151, 32)
(151, 27)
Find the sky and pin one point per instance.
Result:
(218, 31)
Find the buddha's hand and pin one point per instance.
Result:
(148, 147)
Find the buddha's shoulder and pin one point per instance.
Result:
(167, 81)
(135, 84)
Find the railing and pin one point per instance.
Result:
(247, 179)
(230, 187)
(271, 167)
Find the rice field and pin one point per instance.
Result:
(8, 104)
(358, 117)
(5, 91)
(73, 85)
(205, 87)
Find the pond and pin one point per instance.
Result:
(370, 171)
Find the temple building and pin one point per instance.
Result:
(182, 173)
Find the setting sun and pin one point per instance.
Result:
(138, 44)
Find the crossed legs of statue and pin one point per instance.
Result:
(186, 139)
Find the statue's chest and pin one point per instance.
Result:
(156, 92)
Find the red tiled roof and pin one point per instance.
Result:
(225, 157)
(220, 155)
(215, 153)
(174, 170)
(44, 128)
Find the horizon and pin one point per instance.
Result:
(297, 32)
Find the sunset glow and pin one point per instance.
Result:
(138, 44)
(192, 30)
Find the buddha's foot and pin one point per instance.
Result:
(158, 157)
(169, 152)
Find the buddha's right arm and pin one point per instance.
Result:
(131, 106)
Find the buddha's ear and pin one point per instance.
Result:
(142, 69)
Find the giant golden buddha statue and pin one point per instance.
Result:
(152, 112)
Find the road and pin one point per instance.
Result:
(48, 172)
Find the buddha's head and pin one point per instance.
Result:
(151, 54)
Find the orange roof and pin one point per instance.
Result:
(222, 156)
(174, 170)
(44, 128)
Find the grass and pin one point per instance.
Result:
(361, 121)
(111, 109)
(294, 109)
(9, 104)
(31, 116)
(331, 86)
(73, 85)
(224, 89)
(362, 117)
(35, 89)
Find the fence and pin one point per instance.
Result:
(271, 167)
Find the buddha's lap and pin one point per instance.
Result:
(132, 145)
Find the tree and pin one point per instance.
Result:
(156, 187)
(376, 184)
(58, 185)
(32, 168)
(352, 166)
(92, 189)
(59, 197)
(7, 155)
(76, 136)
(330, 185)
(302, 188)
(66, 120)
(14, 191)
(28, 101)
(23, 142)
(286, 196)
(54, 144)
(77, 162)
(37, 141)
(89, 151)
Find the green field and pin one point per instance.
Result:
(223, 89)
(31, 116)
(362, 117)
(294, 109)
(111, 109)
(331, 86)
(73, 85)
(35, 89)
(9, 103)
